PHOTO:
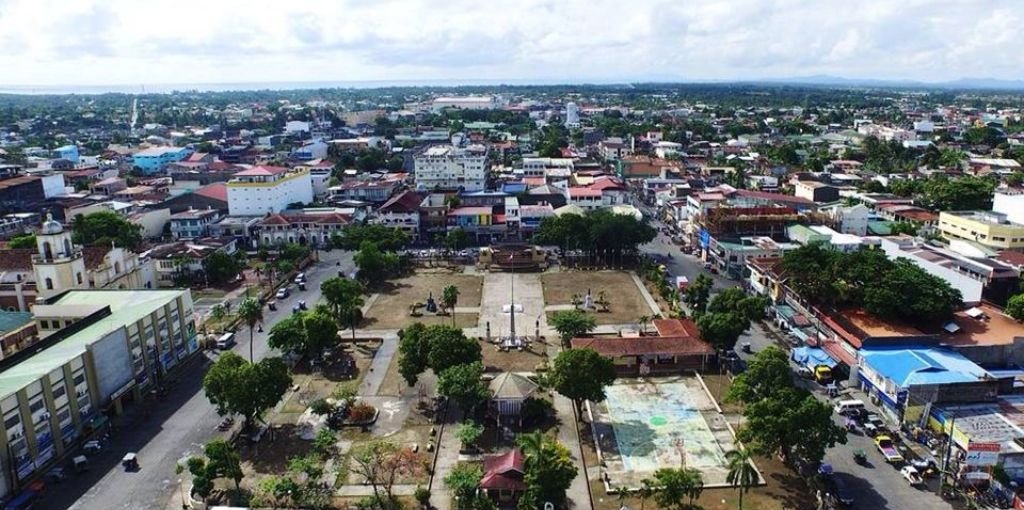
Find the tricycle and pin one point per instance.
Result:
(130, 462)
(860, 457)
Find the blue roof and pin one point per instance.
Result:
(913, 366)
(812, 357)
(513, 187)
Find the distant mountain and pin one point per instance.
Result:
(962, 83)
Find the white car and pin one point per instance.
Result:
(912, 476)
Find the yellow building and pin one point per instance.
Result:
(989, 229)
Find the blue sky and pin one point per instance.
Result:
(85, 42)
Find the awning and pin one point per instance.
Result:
(812, 357)
(22, 501)
(836, 352)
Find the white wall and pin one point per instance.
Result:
(1012, 205)
(251, 200)
(969, 287)
(113, 363)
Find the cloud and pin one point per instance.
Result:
(62, 42)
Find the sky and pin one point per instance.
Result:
(119, 42)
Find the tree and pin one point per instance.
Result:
(450, 298)
(320, 331)
(644, 492)
(673, 485)
(572, 324)
(222, 268)
(106, 227)
(742, 473)
(468, 433)
(698, 293)
(223, 461)
(289, 334)
(792, 422)
(385, 238)
(450, 347)
(251, 312)
(236, 386)
(345, 299)
(581, 374)
(464, 480)
(413, 352)
(464, 385)
(548, 471)
(381, 464)
(374, 265)
(456, 239)
(24, 241)
(722, 330)
(1015, 307)
(903, 227)
(766, 375)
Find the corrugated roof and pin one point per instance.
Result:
(915, 366)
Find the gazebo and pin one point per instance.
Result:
(509, 390)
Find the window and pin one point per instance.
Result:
(36, 405)
(44, 324)
(79, 378)
(78, 276)
(59, 391)
(12, 420)
(999, 239)
(49, 284)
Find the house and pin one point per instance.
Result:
(503, 477)
(613, 148)
(508, 392)
(156, 159)
(676, 347)
(816, 191)
(193, 223)
(367, 190)
(212, 196)
(402, 211)
(433, 222)
(184, 260)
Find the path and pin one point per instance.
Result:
(379, 366)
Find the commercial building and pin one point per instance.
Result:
(816, 191)
(156, 159)
(193, 223)
(466, 103)
(572, 115)
(312, 227)
(267, 189)
(28, 193)
(107, 348)
(451, 168)
(974, 278)
(989, 229)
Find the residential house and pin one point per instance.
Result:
(402, 211)
(193, 223)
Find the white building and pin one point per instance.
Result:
(267, 189)
(960, 272)
(449, 167)
(1011, 203)
(572, 115)
(466, 103)
(294, 127)
(545, 167)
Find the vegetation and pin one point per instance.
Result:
(435, 347)
(105, 228)
(549, 471)
(385, 238)
(602, 235)
(677, 488)
(24, 241)
(572, 324)
(1015, 307)
(449, 299)
(867, 278)
(375, 265)
(381, 464)
(463, 384)
(464, 480)
(581, 374)
(236, 386)
(942, 193)
(307, 333)
(222, 268)
(468, 433)
(221, 461)
(345, 301)
(727, 316)
(251, 312)
(742, 473)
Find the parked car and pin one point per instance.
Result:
(301, 277)
(912, 477)
(282, 293)
(839, 490)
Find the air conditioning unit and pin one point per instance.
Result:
(80, 393)
(16, 435)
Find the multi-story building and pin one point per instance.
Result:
(101, 346)
(366, 190)
(614, 148)
(28, 193)
(156, 159)
(466, 103)
(193, 223)
(181, 261)
(433, 223)
(451, 168)
(547, 167)
(312, 227)
(58, 264)
(989, 229)
(267, 189)
(401, 212)
(976, 279)
(1009, 201)
(68, 152)
(479, 222)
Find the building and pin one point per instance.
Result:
(312, 227)
(402, 211)
(17, 331)
(503, 479)
(816, 191)
(316, 149)
(68, 152)
(29, 193)
(58, 265)
(193, 223)
(183, 261)
(572, 115)
(465, 103)
(551, 169)
(508, 392)
(731, 256)
(976, 279)
(480, 222)
(614, 148)
(267, 189)
(156, 159)
(365, 190)
(451, 168)
(676, 347)
(989, 229)
(1009, 201)
(433, 222)
(108, 348)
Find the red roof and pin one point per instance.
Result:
(577, 191)
(216, 191)
(291, 219)
(262, 170)
(504, 471)
(837, 353)
(1015, 259)
(617, 347)
(607, 183)
(405, 202)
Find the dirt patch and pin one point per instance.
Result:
(391, 309)
(626, 304)
(530, 359)
(271, 455)
(317, 383)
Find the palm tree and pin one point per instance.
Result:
(251, 312)
(742, 473)
(695, 484)
(450, 298)
(531, 444)
(645, 492)
(644, 320)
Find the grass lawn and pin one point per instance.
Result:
(391, 309)
(626, 304)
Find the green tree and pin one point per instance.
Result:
(464, 385)
(572, 324)
(766, 375)
(742, 473)
(450, 347)
(548, 471)
(223, 462)
(221, 267)
(673, 485)
(792, 422)
(374, 265)
(345, 300)
(1015, 307)
(413, 352)
(698, 293)
(385, 238)
(722, 329)
(321, 331)
(236, 386)
(450, 298)
(464, 480)
(289, 334)
(736, 300)
(21, 242)
(251, 312)
(106, 227)
(581, 374)
(468, 433)
(903, 227)
(456, 239)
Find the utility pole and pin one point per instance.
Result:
(946, 455)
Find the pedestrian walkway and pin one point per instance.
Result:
(651, 302)
(568, 434)
(447, 457)
(379, 365)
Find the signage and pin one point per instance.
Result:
(982, 454)
(705, 238)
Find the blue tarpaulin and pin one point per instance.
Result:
(22, 501)
(812, 357)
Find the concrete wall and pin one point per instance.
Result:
(113, 363)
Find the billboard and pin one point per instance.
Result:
(982, 454)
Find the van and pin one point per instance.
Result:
(226, 341)
(844, 407)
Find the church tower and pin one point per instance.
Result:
(58, 264)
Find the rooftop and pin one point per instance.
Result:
(856, 325)
(991, 327)
(158, 151)
(262, 171)
(915, 366)
(13, 321)
(126, 306)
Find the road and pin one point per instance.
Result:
(177, 427)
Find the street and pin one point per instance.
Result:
(178, 426)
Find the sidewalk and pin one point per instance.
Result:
(568, 434)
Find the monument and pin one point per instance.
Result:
(431, 304)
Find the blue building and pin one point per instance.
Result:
(156, 159)
(68, 152)
(905, 381)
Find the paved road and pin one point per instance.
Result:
(681, 264)
(177, 428)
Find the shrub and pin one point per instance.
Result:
(422, 495)
(536, 410)
(361, 413)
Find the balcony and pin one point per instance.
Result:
(57, 257)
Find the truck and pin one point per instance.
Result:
(888, 449)
(682, 283)
(823, 374)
